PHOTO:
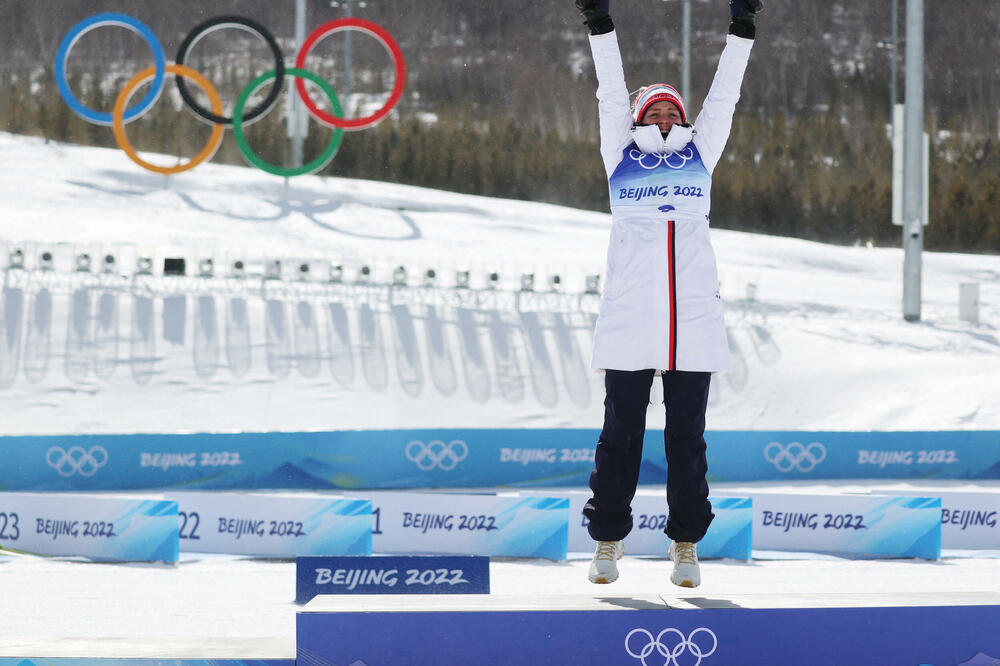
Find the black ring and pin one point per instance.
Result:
(248, 25)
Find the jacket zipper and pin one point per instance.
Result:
(672, 278)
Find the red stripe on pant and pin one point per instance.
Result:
(672, 277)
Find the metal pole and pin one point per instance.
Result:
(893, 93)
(686, 49)
(296, 121)
(913, 158)
(347, 60)
(898, 124)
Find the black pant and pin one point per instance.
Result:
(619, 454)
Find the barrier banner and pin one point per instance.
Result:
(642, 631)
(969, 520)
(444, 523)
(347, 459)
(848, 524)
(466, 458)
(782, 455)
(729, 535)
(273, 525)
(391, 574)
(100, 528)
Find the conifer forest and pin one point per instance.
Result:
(499, 101)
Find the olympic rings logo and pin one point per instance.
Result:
(795, 456)
(662, 644)
(669, 159)
(76, 460)
(124, 112)
(437, 454)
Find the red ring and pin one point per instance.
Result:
(378, 33)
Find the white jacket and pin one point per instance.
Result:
(661, 307)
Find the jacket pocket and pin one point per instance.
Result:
(629, 263)
(617, 260)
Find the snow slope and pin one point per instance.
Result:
(817, 332)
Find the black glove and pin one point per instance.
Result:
(744, 12)
(596, 17)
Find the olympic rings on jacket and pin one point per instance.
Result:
(123, 114)
(685, 156)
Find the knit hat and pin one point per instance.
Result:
(658, 92)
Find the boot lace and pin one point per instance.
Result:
(685, 552)
(606, 550)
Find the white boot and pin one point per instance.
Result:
(604, 566)
(685, 556)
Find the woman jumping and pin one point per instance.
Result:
(661, 312)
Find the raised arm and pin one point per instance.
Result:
(612, 94)
(715, 121)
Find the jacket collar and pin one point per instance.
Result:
(648, 139)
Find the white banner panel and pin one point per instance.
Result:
(463, 524)
(98, 527)
(273, 525)
(848, 524)
(728, 536)
(969, 520)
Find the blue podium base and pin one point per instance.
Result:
(140, 661)
(750, 630)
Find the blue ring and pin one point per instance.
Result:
(98, 21)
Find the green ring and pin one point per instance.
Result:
(310, 167)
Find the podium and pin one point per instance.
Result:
(750, 630)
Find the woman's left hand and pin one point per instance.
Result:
(744, 13)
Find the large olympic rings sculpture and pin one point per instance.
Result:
(124, 112)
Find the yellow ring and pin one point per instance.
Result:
(118, 113)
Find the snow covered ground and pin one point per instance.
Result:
(817, 334)
(221, 606)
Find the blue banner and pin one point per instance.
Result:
(731, 532)
(729, 535)
(782, 455)
(423, 574)
(904, 636)
(101, 528)
(467, 458)
(470, 524)
(273, 525)
(865, 525)
(969, 520)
